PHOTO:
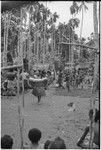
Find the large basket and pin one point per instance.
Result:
(38, 82)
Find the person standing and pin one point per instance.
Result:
(68, 81)
(60, 79)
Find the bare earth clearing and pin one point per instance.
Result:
(51, 116)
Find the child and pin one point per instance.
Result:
(6, 142)
(34, 136)
(96, 137)
(47, 143)
(58, 143)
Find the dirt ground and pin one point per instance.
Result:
(51, 116)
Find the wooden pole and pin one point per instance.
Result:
(38, 46)
(6, 39)
(96, 69)
(52, 39)
(18, 82)
(92, 100)
(69, 46)
(59, 40)
(21, 124)
(29, 52)
(4, 52)
(80, 45)
(23, 103)
(44, 45)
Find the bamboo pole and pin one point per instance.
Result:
(11, 67)
(79, 45)
(34, 43)
(54, 41)
(4, 52)
(23, 103)
(37, 47)
(18, 82)
(21, 50)
(6, 39)
(21, 124)
(52, 38)
(44, 44)
(29, 52)
(69, 46)
(59, 40)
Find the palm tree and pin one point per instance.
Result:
(74, 9)
(82, 8)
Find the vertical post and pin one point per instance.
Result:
(29, 39)
(54, 41)
(69, 47)
(92, 100)
(18, 83)
(21, 52)
(38, 46)
(59, 41)
(34, 43)
(21, 122)
(72, 48)
(44, 44)
(6, 47)
(52, 38)
(4, 52)
(18, 44)
(5, 38)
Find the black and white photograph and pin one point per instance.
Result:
(50, 74)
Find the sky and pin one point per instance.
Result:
(63, 10)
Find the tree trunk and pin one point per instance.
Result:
(96, 69)
(81, 24)
(95, 24)
(81, 30)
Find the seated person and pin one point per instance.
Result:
(58, 143)
(6, 142)
(96, 137)
(34, 136)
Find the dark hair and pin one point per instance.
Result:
(58, 143)
(34, 135)
(47, 144)
(6, 142)
(97, 116)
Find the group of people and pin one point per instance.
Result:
(74, 78)
(35, 135)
